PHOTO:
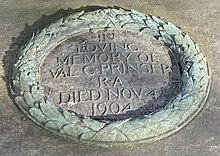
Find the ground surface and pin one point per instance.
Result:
(201, 137)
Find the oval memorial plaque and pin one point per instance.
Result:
(110, 77)
(110, 74)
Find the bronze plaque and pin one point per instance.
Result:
(81, 74)
(110, 74)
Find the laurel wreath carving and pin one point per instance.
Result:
(28, 93)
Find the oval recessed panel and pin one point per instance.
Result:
(110, 74)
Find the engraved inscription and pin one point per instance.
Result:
(110, 74)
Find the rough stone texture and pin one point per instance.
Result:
(200, 19)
